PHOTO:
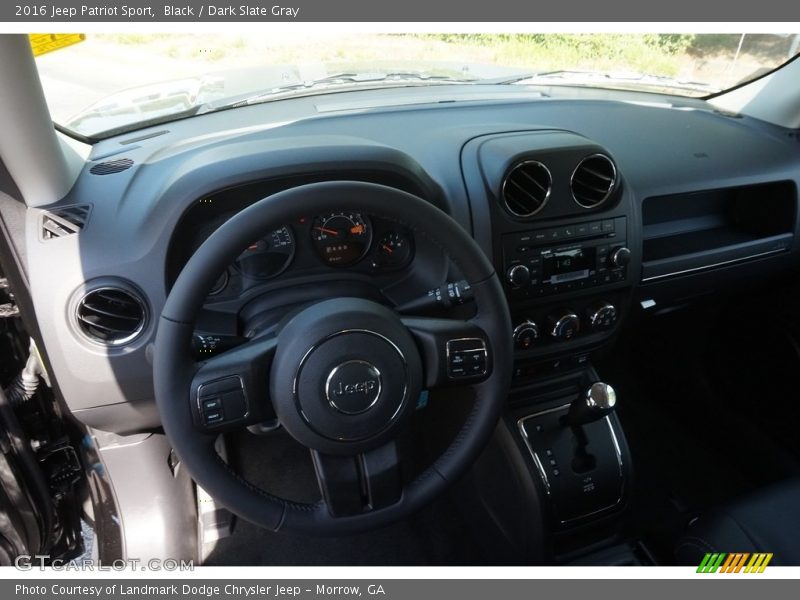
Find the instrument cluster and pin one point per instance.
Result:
(340, 239)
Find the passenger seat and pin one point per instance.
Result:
(765, 521)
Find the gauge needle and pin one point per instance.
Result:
(326, 230)
(387, 248)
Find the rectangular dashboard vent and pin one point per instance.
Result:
(64, 221)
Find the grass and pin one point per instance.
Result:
(657, 54)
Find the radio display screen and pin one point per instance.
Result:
(567, 265)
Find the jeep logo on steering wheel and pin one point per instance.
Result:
(353, 387)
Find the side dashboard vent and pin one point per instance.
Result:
(526, 189)
(111, 166)
(64, 221)
(593, 180)
(111, 316)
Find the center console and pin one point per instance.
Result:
(552, 208)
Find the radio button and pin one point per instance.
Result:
(518, 276)
(620, 257)
(553, 235)
(596, 228)
(582, 230)
(608, 226)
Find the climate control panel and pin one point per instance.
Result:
(565, 323)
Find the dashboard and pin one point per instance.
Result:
(592, 206)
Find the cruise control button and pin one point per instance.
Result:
(212, 404)
(215, 416)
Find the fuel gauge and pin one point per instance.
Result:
(394, 250)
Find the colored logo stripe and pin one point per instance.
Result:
(734, 562)
(758, 563)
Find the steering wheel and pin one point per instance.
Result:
(342, 375)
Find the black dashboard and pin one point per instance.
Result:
(590, 208)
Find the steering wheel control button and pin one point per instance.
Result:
(221, 401)
(353, 387)
(211, 405)
(213, 417)
(467, 357)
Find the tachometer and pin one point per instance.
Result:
(267, 257)
(341, 238)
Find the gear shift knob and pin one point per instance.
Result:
(594, 404)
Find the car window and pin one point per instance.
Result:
(121, 80)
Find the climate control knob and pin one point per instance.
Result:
(518, 276)
(601, 316)
(620, 257)
(563, 325)
(525, 335)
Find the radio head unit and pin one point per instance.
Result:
(543, 262)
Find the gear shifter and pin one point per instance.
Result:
(576, 451)
(597, 402)
(594, 404)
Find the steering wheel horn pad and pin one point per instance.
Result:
(359, 356)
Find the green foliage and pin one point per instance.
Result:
(647, 53)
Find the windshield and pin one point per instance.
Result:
(111, 83)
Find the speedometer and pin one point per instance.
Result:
(341, 238)
(267, 257)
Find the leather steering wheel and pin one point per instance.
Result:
(342, 375)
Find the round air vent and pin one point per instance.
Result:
(593, 180)
(111, 316)
(526, 189)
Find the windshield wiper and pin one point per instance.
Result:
(339, 81)
(600, 77)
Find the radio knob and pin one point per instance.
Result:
(563, 325)
(602, 316)
(518, 276)
(620, 257)
(526, 334)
